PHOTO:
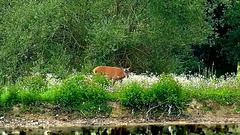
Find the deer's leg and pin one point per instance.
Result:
(113, 82)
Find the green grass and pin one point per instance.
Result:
(89, 95)
(224, 95)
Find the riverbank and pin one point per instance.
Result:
(45, 122)
(194, 114)
(83, 100)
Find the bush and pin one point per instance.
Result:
(71, 92)
(134, 96)
(29, 89)
(28, 97)
(79, 93)
(33, 82)
(1, 89)
(9, 96)
(101, 80)
(74, 35)
(166, 93)
(166, 90)
(30, 48)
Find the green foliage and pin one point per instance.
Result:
(28, 97)
(59, 36)
(166, 90)
(36, 39)
(165, 93)
(8, 96)
(175, 31)
(33, 82)
(232, 40)
(224, 95)
(25, 91)
(188, 63)
(77, 93)
(134, 96)
(220, 51)
(71, 92)
(88, 95)
(101, 80)
(29, 89)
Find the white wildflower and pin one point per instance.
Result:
(52, 80)
(143, 80)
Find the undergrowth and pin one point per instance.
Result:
(164, 96)
(89, 94)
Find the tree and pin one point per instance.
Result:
(59, 36)
(220, 53)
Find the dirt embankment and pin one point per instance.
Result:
(197, 113)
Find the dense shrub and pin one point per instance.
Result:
(79, 93)
(166, 90)
(8, 96)
(134, 96)
(71, 92)
(163, 94)
(38, 36)
(29, 89)
(28, 97)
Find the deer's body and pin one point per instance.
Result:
(114, 73)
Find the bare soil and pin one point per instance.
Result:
(197, 113)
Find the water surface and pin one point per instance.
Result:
(230, 129)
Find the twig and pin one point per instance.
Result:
(132, 111)
(151, 109)
(179, 110)
(169, 109)
(76, 41)
(83, 114)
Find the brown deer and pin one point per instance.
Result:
(113, 73)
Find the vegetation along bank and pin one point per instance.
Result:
(137, 99)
